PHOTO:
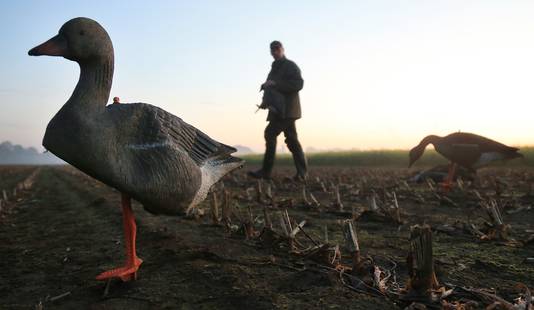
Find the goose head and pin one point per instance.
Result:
(80, 39)
(417, 151)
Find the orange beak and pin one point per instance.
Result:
(57, 46)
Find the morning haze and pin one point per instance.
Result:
(377, 74)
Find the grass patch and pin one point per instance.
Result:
(380, 158)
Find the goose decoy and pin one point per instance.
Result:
(146, 153)
(464, 149)
(439, 174)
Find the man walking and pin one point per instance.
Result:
(281, 97)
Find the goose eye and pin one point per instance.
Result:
(82, 32)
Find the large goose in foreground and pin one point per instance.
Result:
(467, 150)
(141, 150)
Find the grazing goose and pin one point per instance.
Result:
(146, 153)
(467, 150)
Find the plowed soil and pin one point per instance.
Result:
(58, 235)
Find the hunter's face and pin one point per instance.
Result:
(277, 52)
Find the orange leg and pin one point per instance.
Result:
(447, 185)
(129, 270)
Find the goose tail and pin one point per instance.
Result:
(222, 165)
(212, 171)
(223, 162)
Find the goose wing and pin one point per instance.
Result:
(465, 154)
(484, 144)
(155, 127)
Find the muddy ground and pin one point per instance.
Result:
(56, 236)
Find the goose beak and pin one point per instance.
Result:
(57, 46)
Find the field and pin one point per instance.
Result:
(379, 158)
(60, 228)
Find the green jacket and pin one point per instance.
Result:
(289, 82)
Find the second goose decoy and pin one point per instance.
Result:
(467, 150)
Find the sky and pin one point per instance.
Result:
(378, 74)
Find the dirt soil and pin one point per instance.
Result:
(58, 235)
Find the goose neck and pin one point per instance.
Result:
(94, 86)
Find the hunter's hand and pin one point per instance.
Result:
(268, 83)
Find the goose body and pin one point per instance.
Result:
(468, 150)
(141, 150)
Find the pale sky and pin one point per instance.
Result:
(378, 74)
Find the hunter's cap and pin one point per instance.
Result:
(276, 44)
